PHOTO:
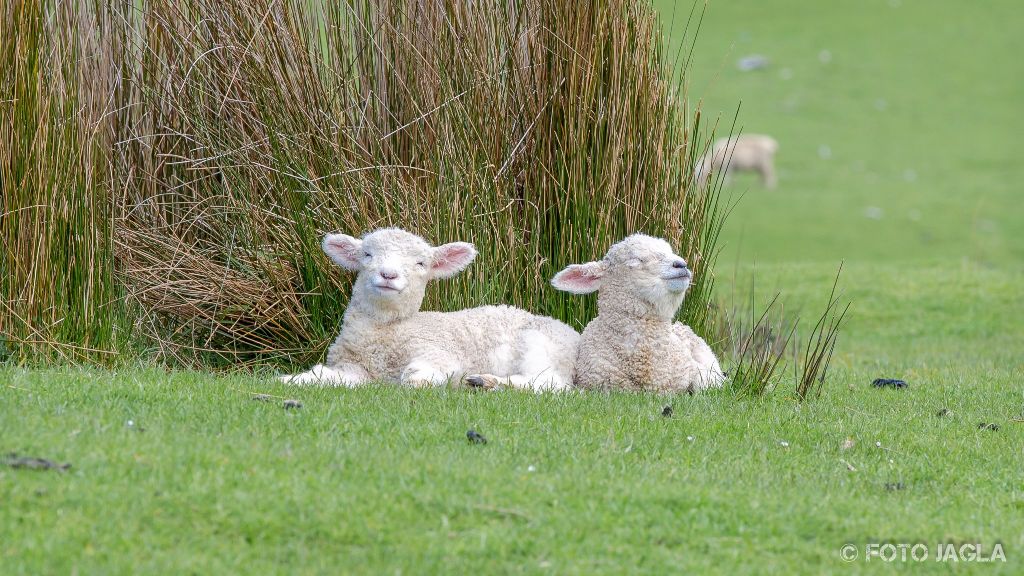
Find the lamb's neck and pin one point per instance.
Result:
(630, 321)
(365, 314)
(628, 308)
(364, 306)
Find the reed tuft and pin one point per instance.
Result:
(168, 168)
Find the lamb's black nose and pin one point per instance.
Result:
(679, 264)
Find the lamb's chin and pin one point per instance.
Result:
(677, 286)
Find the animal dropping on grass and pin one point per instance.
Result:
(475, 437)
(33, 463)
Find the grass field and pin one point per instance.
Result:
(898, 156)
(383, 480)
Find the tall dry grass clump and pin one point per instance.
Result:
(58, 296)
(196, 151)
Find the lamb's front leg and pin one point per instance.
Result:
(704, 371)
(768, 178)
(543, 382)
(430, 372)
(349, 375)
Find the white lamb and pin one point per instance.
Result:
(745, 153)
(385, 336)
(633, 342)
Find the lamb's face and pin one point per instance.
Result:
(640, 269)
(650, 267)
(394, 265)
(392, 262)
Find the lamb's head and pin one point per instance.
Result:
(640, 275)
(394, 267)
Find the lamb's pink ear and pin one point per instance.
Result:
(580, 278)
(345, 250)
(449, 259)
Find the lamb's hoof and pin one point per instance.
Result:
(483, 381)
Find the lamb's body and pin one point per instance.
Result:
(744, 153)
(644, 354)
(385, 337)
(633, 343)
(430, 347)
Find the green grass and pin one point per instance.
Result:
(940, 159)
(920, 108)
(904, 315)
(383, 480)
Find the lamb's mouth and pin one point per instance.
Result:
(387, 289)
(684, 276)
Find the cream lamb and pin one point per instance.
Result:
(633, 342)
(385, 336)
(745, 153)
